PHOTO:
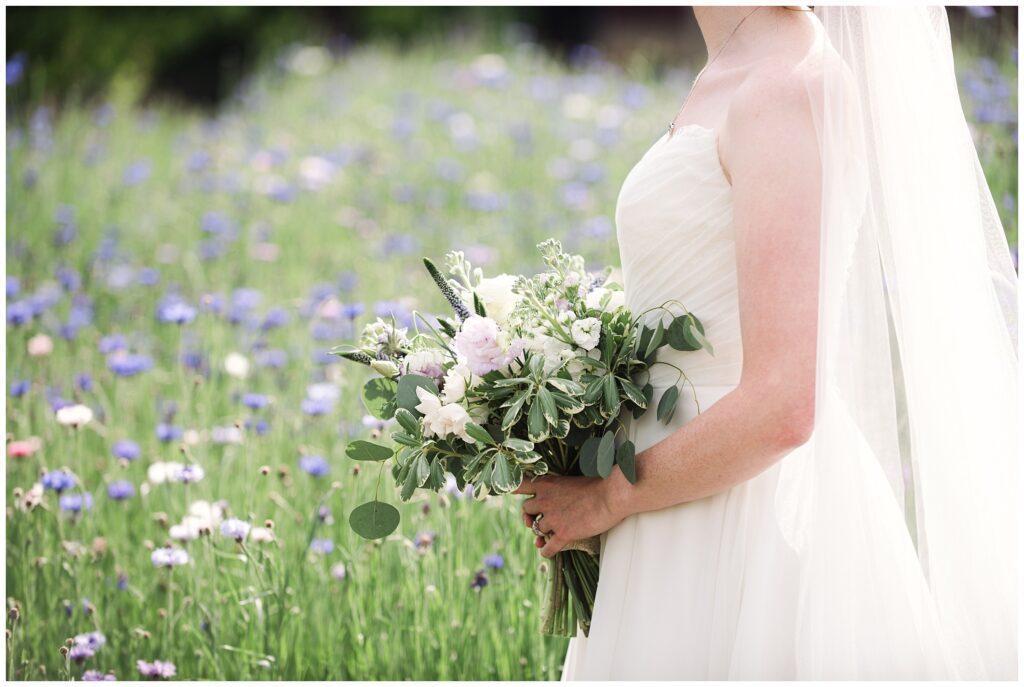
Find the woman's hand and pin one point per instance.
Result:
(573, 507)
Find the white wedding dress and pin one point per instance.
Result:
(705, 589)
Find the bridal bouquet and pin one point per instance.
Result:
(530, 377)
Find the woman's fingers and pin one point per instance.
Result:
(530, 507)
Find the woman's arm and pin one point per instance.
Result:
(769, 148)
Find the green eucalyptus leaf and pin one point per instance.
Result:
(696, 332)
(606, 454)
(379, 397)
(406, 394)
(625, 457)
(656, 340)
(374, 520)
(364, 450)
(588, 456)
(667, 404)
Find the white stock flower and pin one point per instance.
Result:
(442, 420)
(605, 300)
(497, 296)
(587, 333)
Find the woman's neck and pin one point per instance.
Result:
(717, 23)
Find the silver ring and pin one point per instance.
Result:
(536, 527)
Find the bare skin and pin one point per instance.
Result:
(756, 96)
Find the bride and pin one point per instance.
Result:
(837, 498)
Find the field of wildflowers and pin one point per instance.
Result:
(176, 485)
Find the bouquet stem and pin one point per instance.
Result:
(572, 587)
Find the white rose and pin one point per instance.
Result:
(442, 420)
(587, 333)
(497, 296)
(458, 379)
(427, 363)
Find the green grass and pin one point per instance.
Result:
(273, 611)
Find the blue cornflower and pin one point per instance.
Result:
(317, 466)
(137, 172)
(58, 481)
(260, 426)
(16, 68)
(149, 276)
(68, 278)
(167, 433)
(78, 654)
(271, 357)
(20, 387)
(317, 406)
(83, 381)
(120, 490)
(76, 503)
(494, 561)
(20, 312)
(114, 342)
(480, 580)
(175, 311)
(980, 11)
(353, 310)
(276, 317)
(127, 449)
(236, 529)
(321, 546)
(215, 222)
(128, 364)
(13, 287)
(255, 401)
(348, 280)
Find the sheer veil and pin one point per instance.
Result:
(902, 510)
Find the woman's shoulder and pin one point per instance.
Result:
(773, 108)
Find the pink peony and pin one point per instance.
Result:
(484, 347)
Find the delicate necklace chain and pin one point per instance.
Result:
(672, 124)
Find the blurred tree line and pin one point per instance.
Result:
(197, 54)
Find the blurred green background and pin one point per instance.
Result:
(189, 187)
